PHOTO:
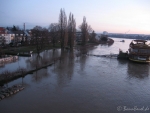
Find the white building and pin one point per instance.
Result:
(5, 36)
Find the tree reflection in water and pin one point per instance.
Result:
(37, 61)
(65, 69)
(39, 75)
(63, 65)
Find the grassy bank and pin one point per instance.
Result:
(26, 49)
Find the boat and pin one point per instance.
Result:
(139, 51)
(122, 41)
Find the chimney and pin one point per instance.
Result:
(24, 26)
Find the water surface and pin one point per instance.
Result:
(85, 84)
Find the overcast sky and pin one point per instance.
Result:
(113, 16)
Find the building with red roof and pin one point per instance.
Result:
(2, 31)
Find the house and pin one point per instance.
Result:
(2, 30)
(15, 37)
(19, 36)
(5, 36)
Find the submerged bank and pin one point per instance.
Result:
(14, 75)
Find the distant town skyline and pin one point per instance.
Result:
(113, 16)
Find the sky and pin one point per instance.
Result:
(113, 16)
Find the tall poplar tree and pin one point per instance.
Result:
(63, 27)
(71, 31)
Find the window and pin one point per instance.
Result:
(143, 50)
(134, 50)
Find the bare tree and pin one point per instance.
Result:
(1, 52)
(36, 37)
(2, 40)
(39, 37)
(44, 37)
(85, 29)
(63, 27)
(6, 75)
(54, 33)
(26, 40)
(92, 38)
(71, 31)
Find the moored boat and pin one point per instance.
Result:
(139, 51)
(122, 41)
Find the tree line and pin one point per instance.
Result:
(63, 32)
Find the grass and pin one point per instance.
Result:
(26, 49)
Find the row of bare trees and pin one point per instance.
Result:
(68, 31)
(63, 32)
(40, 37)
(54, 33)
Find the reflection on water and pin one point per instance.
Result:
(106, 44)
(39, 75)
(83, 84)
(45, 58)
(138, 70)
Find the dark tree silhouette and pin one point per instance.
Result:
(63, 28)
(14, 28)
(85, 29)
(44, 38)
(71, 31)
(36, 35)
(92, 38)
(39, 37)
(6, 75)
(54, 33)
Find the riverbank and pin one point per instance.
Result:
(26, 50)
(6, 76)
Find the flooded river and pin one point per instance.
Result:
(85, 84)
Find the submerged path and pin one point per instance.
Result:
(6, 77)
(22, 74)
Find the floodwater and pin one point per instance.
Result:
(85, 84)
